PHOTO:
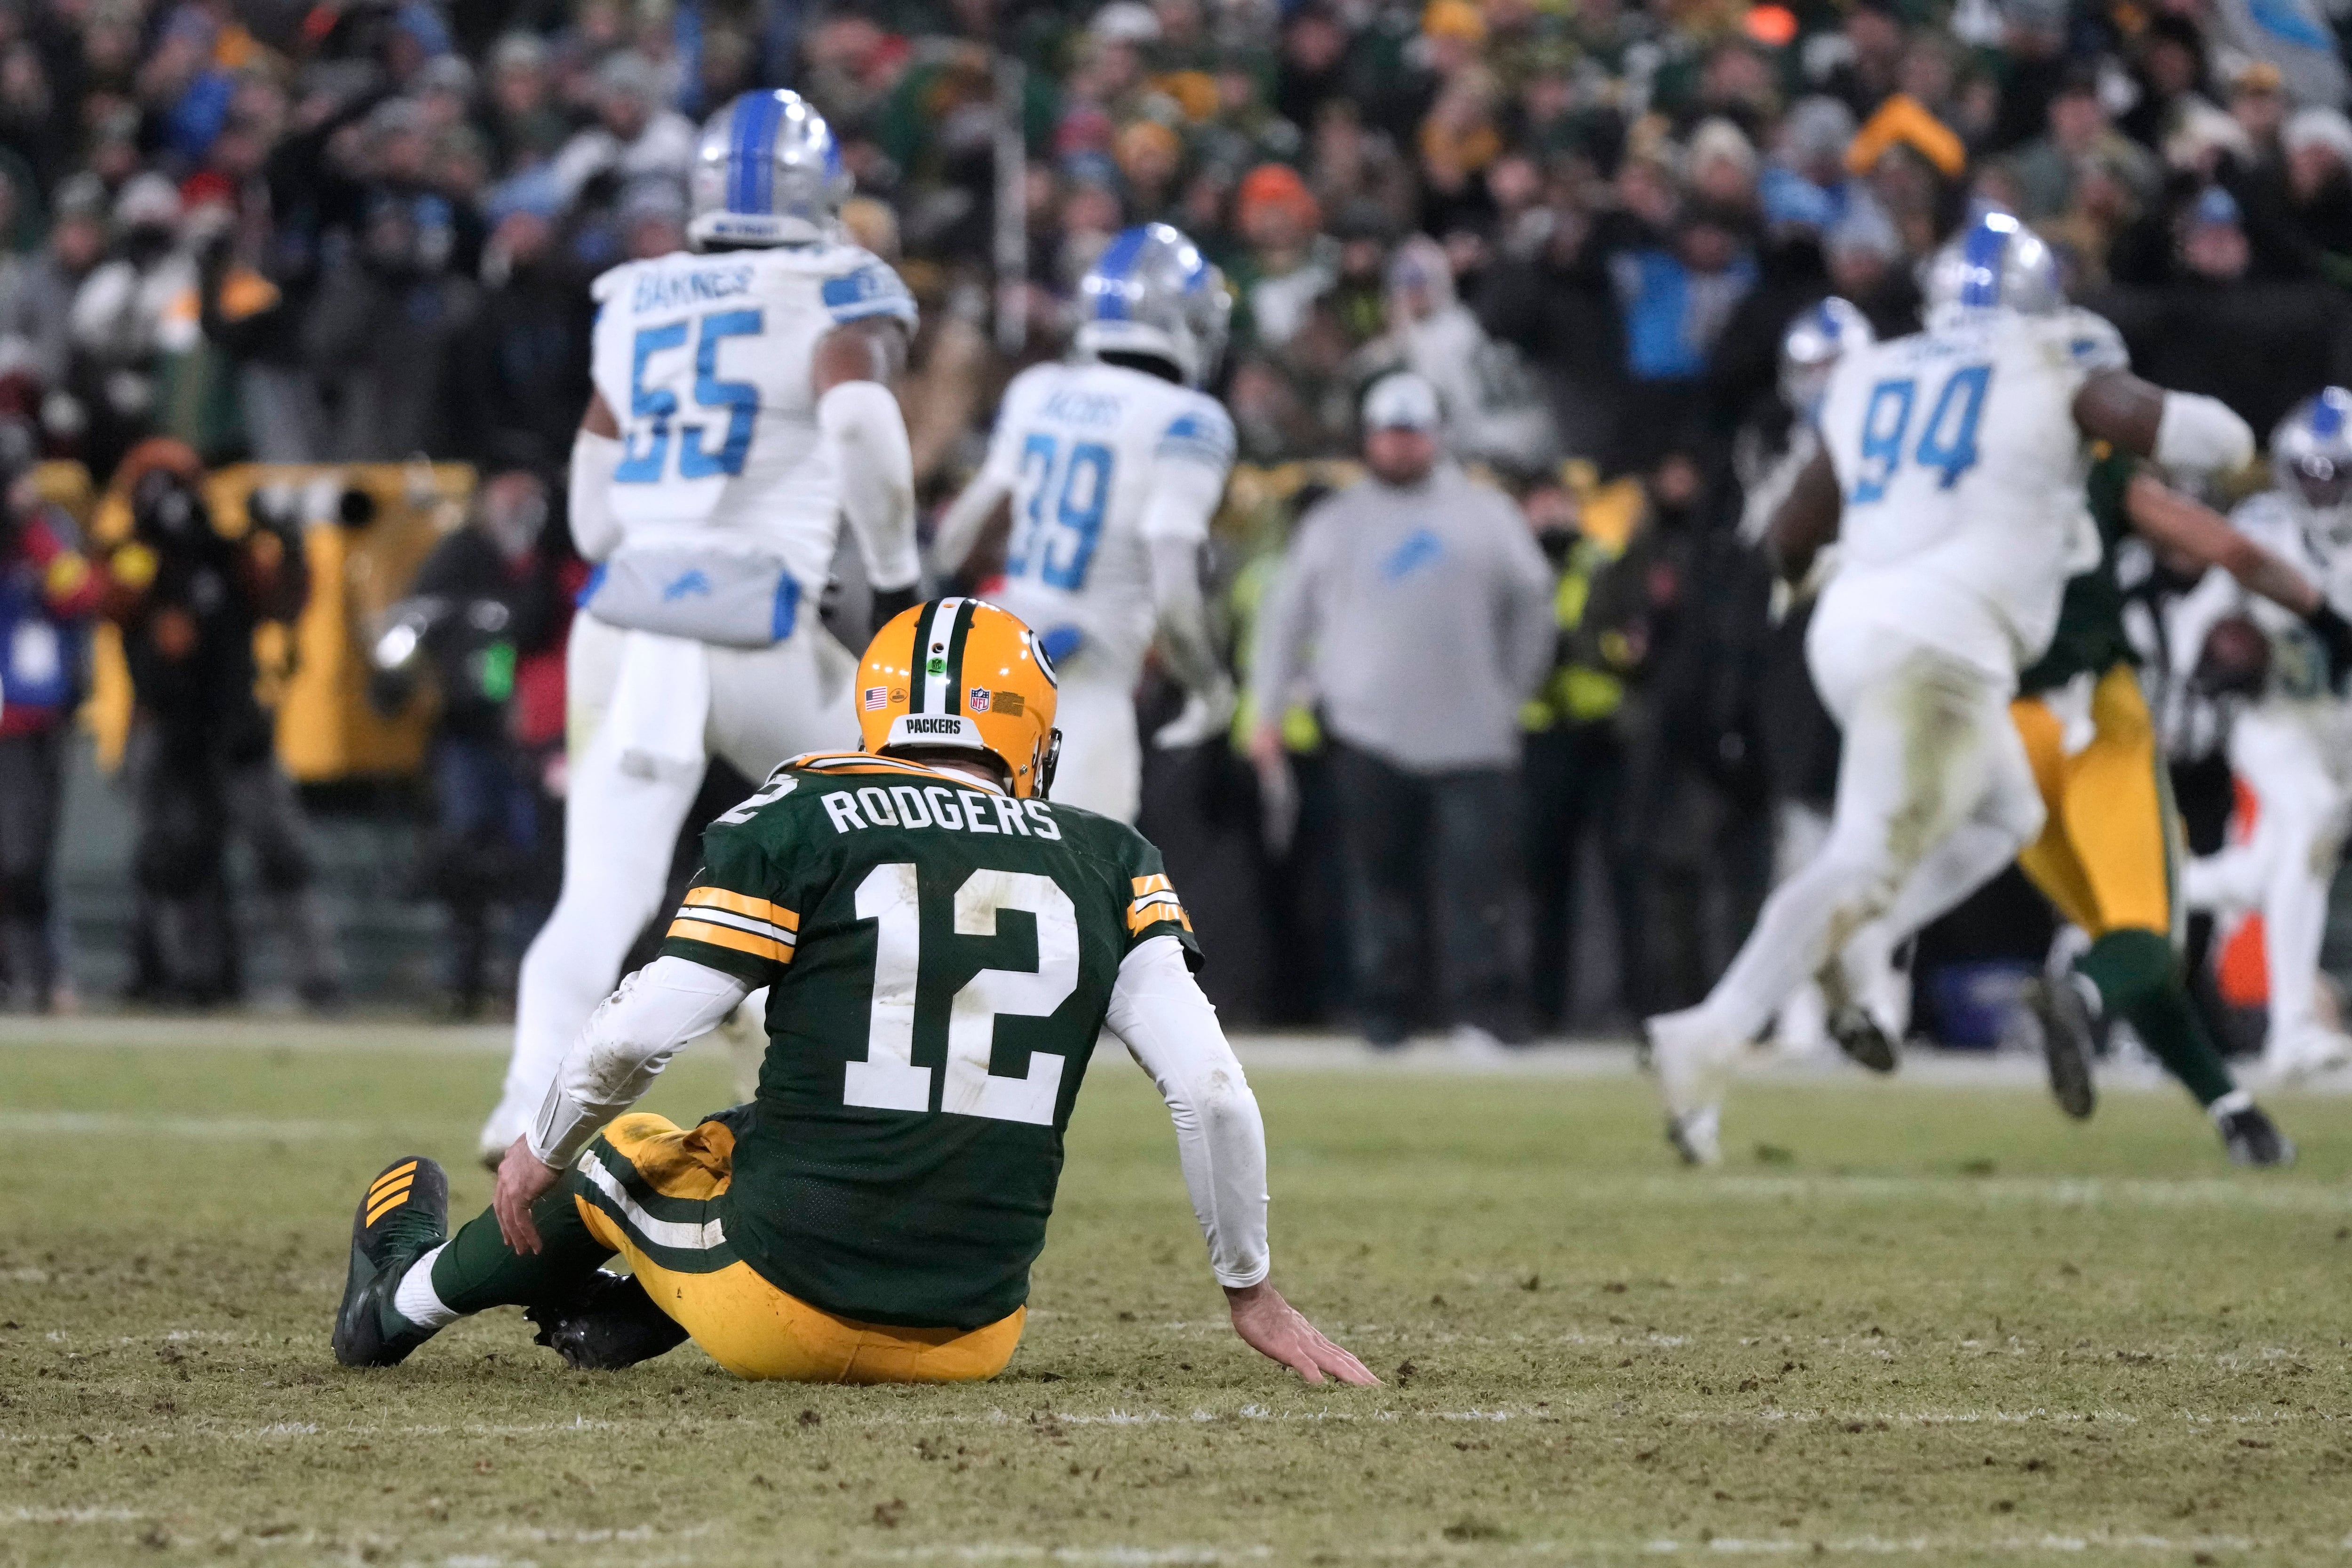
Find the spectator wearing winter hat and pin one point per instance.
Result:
(1675, 299)
(520, 375)
(133, 315)
(634, 134)
(2317, 144)
(1416, 607)
(37, 291)
(1284, 268)
(48, 594)
(525, 125)
(2259, 345)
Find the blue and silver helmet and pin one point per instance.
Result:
(1152, 293)
(1996, 263)
(1810, 348)
(2311, 458)
(768, 172)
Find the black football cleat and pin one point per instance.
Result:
(1857, 1034)
(404, 1216)
(2070, 1038)
(2253, 1139)
(611, 1324)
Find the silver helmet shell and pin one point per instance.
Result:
(1812, 347)
(767, 172)
(2311, 458)
(1996, 263)
(1152, 293)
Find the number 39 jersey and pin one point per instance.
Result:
(1083, 448)
(706, 360)
(1962, 469)
(940, 960)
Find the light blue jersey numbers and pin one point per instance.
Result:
(653, 408)
(1065, 494)
(1947, 439)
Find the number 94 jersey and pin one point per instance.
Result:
(1962, 470)
(1084, 448)
(939, 959)
(705, 360)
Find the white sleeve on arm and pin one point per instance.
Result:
(628, 1040)
(864, 422)
(595, 531)
(1172, 1033)
(1184, 497)
(2201, 433)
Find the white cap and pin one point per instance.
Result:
(1403, 401)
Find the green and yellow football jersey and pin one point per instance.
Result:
(940, 960)
(2091, 637)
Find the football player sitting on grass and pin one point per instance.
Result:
(942, 947)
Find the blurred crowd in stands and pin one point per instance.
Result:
(360, 231)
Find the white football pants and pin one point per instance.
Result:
(1101, 768)
(1934, 797)
(2283, 868)
(621, 814)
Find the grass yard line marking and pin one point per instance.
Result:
(1548, 1414)
(1118, 1556)
(82, 1123)
(70, 1515)
(250, 1032)
(1921, 1545)
(2068, 1192)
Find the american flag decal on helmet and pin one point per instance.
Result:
(877, 697)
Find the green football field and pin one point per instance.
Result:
(1935, 1324)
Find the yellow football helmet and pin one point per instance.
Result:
(961, 675)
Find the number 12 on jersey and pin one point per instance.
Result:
(1947, 442)
(1060, 547)
(888, 1079)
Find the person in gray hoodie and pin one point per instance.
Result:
(1413, 608)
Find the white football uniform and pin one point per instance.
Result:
(1961, 470)
(1084, 449)
(705, 361)
(2292, 748)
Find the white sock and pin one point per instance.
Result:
(2230, 1104)
(416, 1300)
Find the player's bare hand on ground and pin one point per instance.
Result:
(1274, 1328)
(523, 1180)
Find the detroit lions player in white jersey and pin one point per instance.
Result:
(743, 406)
(1952, 475)
(2292, 746)
(1114, 462)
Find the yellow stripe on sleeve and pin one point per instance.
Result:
(688, 928)
(742, 904)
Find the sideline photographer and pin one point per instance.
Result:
(200, 758)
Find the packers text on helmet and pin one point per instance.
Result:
(957, 675)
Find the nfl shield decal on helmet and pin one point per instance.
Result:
(979, 698)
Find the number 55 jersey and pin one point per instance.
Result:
(706, 361)
(1961, 470)
(940, 958)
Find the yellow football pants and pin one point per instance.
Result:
(746, 1325)
(2108, 850)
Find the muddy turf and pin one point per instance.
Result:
(1931, 1325)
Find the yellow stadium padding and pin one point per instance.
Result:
(315, 679)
